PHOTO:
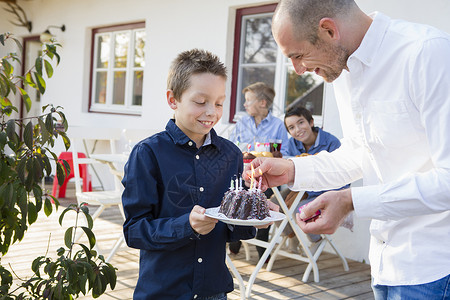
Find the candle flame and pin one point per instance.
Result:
(253, 176)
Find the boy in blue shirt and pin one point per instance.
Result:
(306, 139)
(172, 177)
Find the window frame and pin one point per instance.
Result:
(282, 65)
(123, 109)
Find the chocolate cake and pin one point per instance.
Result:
(244, 204)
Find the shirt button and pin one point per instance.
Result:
(195, 296)
(197, 157)
(200, 260)
(190, 143)
(201, 189)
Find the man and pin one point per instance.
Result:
(391, 80)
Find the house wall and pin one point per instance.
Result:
(173, 26)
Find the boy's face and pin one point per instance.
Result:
(253, 106)
(200, 106)
(300, 129)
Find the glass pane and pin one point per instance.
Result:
(121, 49)
(259, 45)
(119, 87)
(137, 87)
(305, 90)
(100, 87)
(254, 74)
(103, 48)
(139, 46)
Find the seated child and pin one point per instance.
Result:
(172, 177)
(306, 139)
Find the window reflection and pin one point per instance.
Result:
(305, 90)
(103, 51)
(260, 46)
(121, 49)
(139, 49)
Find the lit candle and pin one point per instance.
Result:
(236, 184)
(240, 183)
(260, 179)
(253, 177)
(232, 184)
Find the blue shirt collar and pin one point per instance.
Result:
(179, 137)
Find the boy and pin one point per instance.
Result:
(258, 123)
(306, 139)
(171, 177)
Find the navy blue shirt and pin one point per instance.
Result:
(325, 141)
(165, 176)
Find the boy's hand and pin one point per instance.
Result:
(199, 222)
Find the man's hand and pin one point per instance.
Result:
(334, 206)
(199, 222)
(275, 172)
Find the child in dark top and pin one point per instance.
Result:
(172, 177)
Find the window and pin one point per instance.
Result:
(258, 58)
(117, 69)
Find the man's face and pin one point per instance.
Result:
(325, 59)
(252, 104)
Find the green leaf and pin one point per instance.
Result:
(49, 123)
(61, 217)
(4, 86)
(48, 68)
(28, 135)
(32, 213)
(68, 237)
(8, 68)
(90, 235)
(37, 170)
(38, 65)
(25, 98)
(60, 251)
(29, 80)
(65, 140)
(21, 169)
(44, 133)
(47, 207)
(11, 130)
(40, 82)
(86, 251)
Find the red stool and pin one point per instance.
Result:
(87, 182)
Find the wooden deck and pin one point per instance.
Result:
(283, 282)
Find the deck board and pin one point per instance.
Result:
(282, 282)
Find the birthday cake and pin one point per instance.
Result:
(238, 203)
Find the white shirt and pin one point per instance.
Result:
(394, 105)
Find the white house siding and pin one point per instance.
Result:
(171, 27)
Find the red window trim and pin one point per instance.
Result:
(91, 74)
(237, 46)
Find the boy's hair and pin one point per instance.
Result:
(191, 62)
(299, 111)
(262, 92)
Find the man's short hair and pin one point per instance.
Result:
(306, 14)
(191, 62)
(262, 92)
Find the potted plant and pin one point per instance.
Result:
(25, 159)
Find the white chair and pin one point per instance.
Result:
(103, 199)
(276, 241)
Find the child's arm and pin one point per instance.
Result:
(145, 227)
